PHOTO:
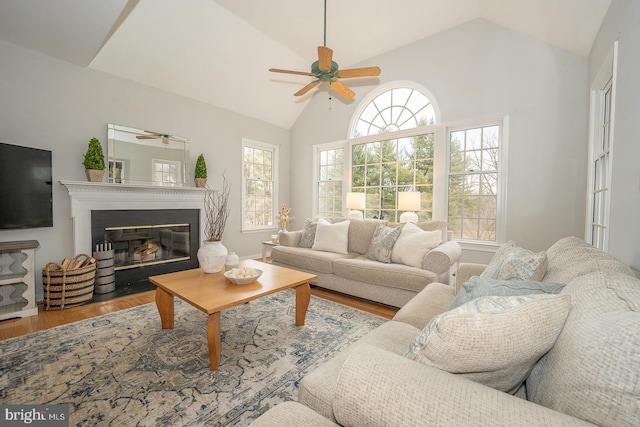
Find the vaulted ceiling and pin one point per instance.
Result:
(219, 51)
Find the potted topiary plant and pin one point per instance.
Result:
(94, 161)
(201, 172)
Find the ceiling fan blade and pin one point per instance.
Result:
(302, 73)
(325, 56)
(342, 90)
(307, 88)
(148, 137)
(359, 72)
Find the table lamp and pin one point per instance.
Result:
(355, 202)
(409, 201)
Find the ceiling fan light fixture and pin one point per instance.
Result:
(326, 70)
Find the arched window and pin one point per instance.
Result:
(398, 106)
(393, 162)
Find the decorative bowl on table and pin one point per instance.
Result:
(243, 275)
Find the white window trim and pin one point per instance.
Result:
(275, 168)
(607, 72)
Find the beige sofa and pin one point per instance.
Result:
(590, 376)
(355, 274)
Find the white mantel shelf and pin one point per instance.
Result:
(88, 196)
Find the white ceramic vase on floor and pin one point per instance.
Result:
(211, 256)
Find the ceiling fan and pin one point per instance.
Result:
(326, 70)
(155, 135)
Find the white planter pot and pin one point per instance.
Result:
(211, 256)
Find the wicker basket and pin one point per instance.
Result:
(68, 287)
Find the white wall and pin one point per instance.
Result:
(622, 23)
(54, 105)
(475, 70)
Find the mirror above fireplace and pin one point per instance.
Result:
(137, 156)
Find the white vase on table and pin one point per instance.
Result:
(212, 255)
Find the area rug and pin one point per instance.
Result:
(122, 369)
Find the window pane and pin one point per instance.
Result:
(258, 186)
(472, 193)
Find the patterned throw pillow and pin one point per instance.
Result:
(382, 242)
(513, 263)
(308, 233)
(478, 287)
(495, 341)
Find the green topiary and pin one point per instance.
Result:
(201, 167)
(94, 158)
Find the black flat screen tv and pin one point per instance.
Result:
(26, 190)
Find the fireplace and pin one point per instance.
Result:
(145, 210)
(147, 242)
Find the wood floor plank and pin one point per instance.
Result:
(46, 319)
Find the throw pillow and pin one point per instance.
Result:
(382, 242)
(514, 263)
(308, 233)
(413, 244)
(331, 237)
(495, 341)
(478, 287)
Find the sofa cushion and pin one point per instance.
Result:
(514, 263)
(331, 237)
(593, 370)
(482, 287)
(360, 233)
(493, 340)
(308, 233)
(306, 259)
(413, 244)
(400, 276)
(318, 387)
(571, 257)
(382, 242)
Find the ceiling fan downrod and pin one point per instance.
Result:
(325, 23)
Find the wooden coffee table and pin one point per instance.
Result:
(212, 293)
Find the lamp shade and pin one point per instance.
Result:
(409, 201)
(355, 200)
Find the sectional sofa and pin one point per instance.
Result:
(588, 313)
(352, 267)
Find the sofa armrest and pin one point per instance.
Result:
(290, 238)
(379, 388)
(440, 259)
(433, 300)
(466, 270)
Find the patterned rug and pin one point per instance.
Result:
(122, 369)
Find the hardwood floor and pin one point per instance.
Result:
(48, 319)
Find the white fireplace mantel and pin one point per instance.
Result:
(88, 196)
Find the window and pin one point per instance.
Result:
(258, 185)
(399, 108)
(166, 171)
(397, 145)
(473, 182)
(380, 169)
(330, 164)
(602, 118)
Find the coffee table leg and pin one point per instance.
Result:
(303, 296)
(164, 302)
(213, 338)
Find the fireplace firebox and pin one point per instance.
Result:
(147, 242)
